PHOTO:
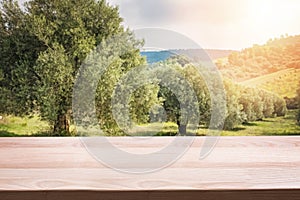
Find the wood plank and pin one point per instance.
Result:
(154, 195)
(61, 168)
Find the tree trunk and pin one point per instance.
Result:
(62, 125)
(181, 128)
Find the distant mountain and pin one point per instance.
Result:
(157, 56)
(194, 54)
(215, 54)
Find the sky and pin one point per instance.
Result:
(215, 24)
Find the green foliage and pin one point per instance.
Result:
(69, 35)
(201, 90)
(235, 115)
(108, 77)
(55, 86)
(244, 104)
(190, 86)
(19, 50)
(141, 99)
(252, 104)
(42, 49)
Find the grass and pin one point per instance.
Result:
(281, 126)
(284, 83)
(11, 126)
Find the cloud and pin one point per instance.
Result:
(149, 12)
(145, 12)
(212, 12)
(226, 24)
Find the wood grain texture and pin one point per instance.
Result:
(238, 168)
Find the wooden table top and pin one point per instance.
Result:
(62, 168)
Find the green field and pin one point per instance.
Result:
(15, 126)
(11, 126)
(284, 83)
(280, 126)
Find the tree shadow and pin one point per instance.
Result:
(8, 134)
(266, 120)
(250, 124)
(166, 133)
(238, 129)
(4, 133)
(43, 134)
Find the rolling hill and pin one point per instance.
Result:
(283, 83)
(274, 66)
(259, 60)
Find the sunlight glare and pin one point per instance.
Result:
(271, 15)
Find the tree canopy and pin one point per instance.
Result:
(243, 104)
(44, 44)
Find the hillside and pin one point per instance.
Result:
(283, 82)
(195, 54)
(260, 60)
(274, 66)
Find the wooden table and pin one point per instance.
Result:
(238, 168)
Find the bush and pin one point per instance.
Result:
(298, 118)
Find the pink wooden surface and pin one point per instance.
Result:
(238, 166)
